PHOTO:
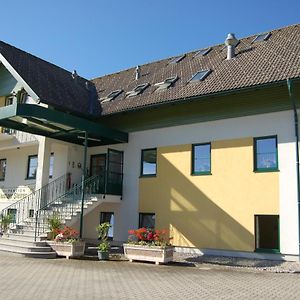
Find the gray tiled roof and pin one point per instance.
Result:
(273, 60)
(53, 85)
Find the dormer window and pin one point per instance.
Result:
(261, 37)
(166, 84)
(138, 90)
(111, 96)
(200, 75)
(202, 52)
(177, 59)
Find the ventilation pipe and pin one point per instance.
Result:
(74, 74)
(137, 72)
(231, 42)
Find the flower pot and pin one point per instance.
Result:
(155, 254)
(103, 255)
(75, 249)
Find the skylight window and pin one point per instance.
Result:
(261, 37)
(177, 59)
(138, 90)
(202, 52)
(111, 96)
(166, 84)
(200, 75)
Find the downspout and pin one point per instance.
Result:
(291, 95)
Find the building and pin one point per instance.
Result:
(203, 144)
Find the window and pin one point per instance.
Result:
(201, 159)
(31, 213)
(202, 52)
(166, 84)
(51, 165)
(109, 218)
(200, 75)
(32, 166)
(261, 37)
(2, 169)
(13, 213)
(111, 96)
(9, 100)
(138, 90)
(177, 59)
(265, 154)
(147, 220)
(148, 162)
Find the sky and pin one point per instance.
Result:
(98, 37)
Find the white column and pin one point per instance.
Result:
(44, 152)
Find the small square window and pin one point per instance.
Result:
(2, 169)
(201, 159)
(111, 96)
(177, 59)
(138, 90)
(265, 154)
(31, 213)
(148, 162)
(147, 220)
(108, 217)
(51, 166)
(261, 37)
(32, 167)
(166, 84)
(202, 52)
(200, 75)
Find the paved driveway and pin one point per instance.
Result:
(25, 278)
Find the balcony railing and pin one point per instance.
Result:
(22, 137)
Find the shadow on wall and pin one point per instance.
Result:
(206, 211)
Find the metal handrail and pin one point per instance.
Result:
(67, 204)
(34, 200)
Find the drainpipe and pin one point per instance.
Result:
(291, 95)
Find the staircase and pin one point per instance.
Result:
(28, 233)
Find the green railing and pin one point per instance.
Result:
(27, 207)
(69, 204)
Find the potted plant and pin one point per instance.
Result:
(104, 245)
(55, 224)
(147, 244)
(5, 221)
(67, 243)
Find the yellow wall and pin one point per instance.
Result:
(212, 211)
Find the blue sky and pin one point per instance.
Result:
(98, 37)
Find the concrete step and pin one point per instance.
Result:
(12, 240)
(47, 255)
(24, 237)
(7, 245)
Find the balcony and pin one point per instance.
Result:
(20, 136)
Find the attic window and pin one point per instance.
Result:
(166, 84)
(202, 52)
(138, 90)
(177, 59)
(261, 37)
(111, 96)
(200, 75)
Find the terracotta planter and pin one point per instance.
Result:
(159, 255)
(75, 249)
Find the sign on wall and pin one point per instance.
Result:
(15, 193)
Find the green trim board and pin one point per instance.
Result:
(271, 167)
(58, 125)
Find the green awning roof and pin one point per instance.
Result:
(47, 122)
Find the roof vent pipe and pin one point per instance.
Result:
(74, 74)
(137, 72)
(231, 42)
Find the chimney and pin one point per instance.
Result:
(137, 72)
(231, 42)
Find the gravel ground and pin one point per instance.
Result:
(234, 262)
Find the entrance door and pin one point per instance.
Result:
(98, 168)
(267, 233)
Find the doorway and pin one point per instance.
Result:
(267, 233)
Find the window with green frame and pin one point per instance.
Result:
(148, 162)
(201, 159)
(265, 154)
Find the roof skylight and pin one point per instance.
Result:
(111, 96)
(138, 90)
(200, 75)
(202, 52)
(166, 84)
(177, 59)
(261, 37)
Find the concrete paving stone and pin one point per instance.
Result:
(28, 278)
